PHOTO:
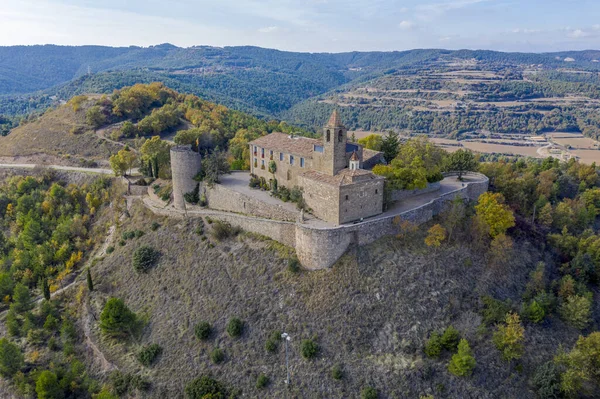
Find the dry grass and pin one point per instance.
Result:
(370, 313)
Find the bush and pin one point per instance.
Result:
(47, 386)
(293, 265)
(11, 358)
(262, 381)
(463, 362)
(576, 311)
(309, 349)
(337, 372)
(546, 381)
(433, 346)
(223, 230)
(205, 387)
(110, 250)
(235, 327)
(217, 355)
(494, 311)
(123, 383)
(148, 354)
(193, 196)
(534, 312)
(144, 258)
(450, 338)
(369, 393)
(116, 320)
(273, 341)
(155, 226)
(202, 330)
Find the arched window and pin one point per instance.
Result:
(328, 136)
(340, 136)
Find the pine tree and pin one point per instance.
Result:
(463, 362)
(90, 283)
(46, 289)
(509, 337)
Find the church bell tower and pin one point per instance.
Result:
(335, 136)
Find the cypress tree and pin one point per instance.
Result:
(46, 289)
(90, 283)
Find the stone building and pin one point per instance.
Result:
(185, 165)
(330, 171)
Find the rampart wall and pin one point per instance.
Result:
(399, 195)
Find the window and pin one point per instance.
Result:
(318, 148)
(255, 149)
(301, 162)
(281, 156)
(271, 155)
(376, 191)
(328, 136)
(262, 152)
(346, 198)
(291, 159)
(340, 136)
(262, 163)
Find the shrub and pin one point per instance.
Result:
(293, 264)
(138, 233)
(509, 337)
(193, 196)
(116, 320)
(309, 349)
(144, 258)
(110, 250)
(262, 381)
(202, 330)
(337, 372)
(155, 226)
(450, 338)
(576, 311)
(148, 354)
(47, 386)
(235, 327)
(462, 362)
(222, 230)
(123, 383)
(205, 387)
(534, 312)
(546, 381)
(11, 358)
(494, 311)
(127, 235)
(217, 355)
(369, 393)
(433, 346)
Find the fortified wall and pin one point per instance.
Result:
(185, 165)
(318, 247)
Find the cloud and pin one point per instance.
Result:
(407, 25)
(596, 27)
(526, 31)
(577, 34)
(269, 29)
(431, 11)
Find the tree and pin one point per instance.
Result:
(462, 161)
(372, 142)
(128, 129)
(214, 166)
(492, 210)
(369, 393)
(46, 289)
(90, 283)
(21, 299)
(205, 387)
(122, 161)
(144, 258)
(462, 362)
(11, 358)
(577, 311)
(156, 151)
(116, 320)
(582, 364)
(436, 235)
(95, 117)
(47, 386)
(509, 337)
(390, 146)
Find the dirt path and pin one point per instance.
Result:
(102, 133)
(96, 353)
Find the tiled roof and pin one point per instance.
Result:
(282, 142)
(334, 119)
(342, 178)
(369, 155)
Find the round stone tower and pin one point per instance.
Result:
(185, 165)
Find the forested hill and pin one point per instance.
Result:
(262, 81)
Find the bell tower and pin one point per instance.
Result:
(335, 136)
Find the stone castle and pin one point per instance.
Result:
(345, 197)
(329, 171)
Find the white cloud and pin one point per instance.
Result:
(269, 29)
(406, 25)
(577, 34)
(596, 27)
(431, 11)
(526, 31)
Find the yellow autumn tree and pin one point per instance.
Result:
(436, 235)
(509, 337)
(496, 215)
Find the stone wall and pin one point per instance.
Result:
(221, 198)
(362, 199)
(185, 165)
(322, 198)
(399, 195)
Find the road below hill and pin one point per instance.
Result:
(62, 168)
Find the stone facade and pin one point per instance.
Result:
(185, 165)
(329, 171)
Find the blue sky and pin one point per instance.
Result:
(308, 25)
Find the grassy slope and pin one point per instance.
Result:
(371, 313)
(51, 134)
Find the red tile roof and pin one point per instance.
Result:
(282, 142)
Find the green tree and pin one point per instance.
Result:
(122, 161)
(156, 151)
(46, 289)
(462, 161)
(6, 285)
(21, 299)
(144, 258)
(372, 142)
(496, 215)
(90, 283)
(205, 387)
(47, 386)
(582, 364)
(390, 146)
(509, 337)
(462, 362)
(214, 166)
(369, 393)
(235, 327)
(11, 358)
(577, 311)
(95, 117)
(116, 320)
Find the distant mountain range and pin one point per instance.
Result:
(260, 81)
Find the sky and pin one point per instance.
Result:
(307, 25)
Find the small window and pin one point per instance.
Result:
(340, 136)
(262, 163)
(271, 153)
(328, 136)
(301, 162)
(281, 156)
(291, 159)
(346, 198)
(376, 191)
(262, 152)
